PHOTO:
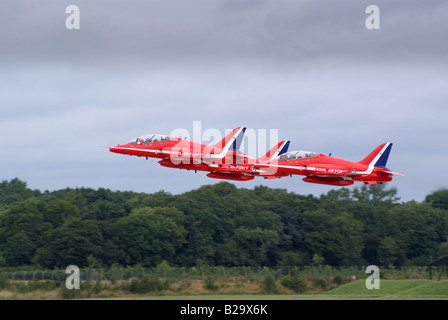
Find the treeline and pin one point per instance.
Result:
(219, 225)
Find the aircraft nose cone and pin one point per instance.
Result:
(121, 149)
(114, 149)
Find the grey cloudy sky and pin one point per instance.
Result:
(309, 69)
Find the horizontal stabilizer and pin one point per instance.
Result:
(385, 170)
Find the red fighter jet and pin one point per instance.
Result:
(325, 169)
(176, 150)
(222, 160)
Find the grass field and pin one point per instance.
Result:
(392, 289)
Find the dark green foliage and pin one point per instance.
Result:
(149, 235)
(295, 283)
(219, 225)
(148, 284)
(269, 284)
(339, 280)
(438, 199)
(70, 244)
(70, 293)
(5, 282)
(14, 191)
(320, 282)
(210, 284)
(37, 285)
(19, 249)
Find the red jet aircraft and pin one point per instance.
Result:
(183, 151)
(325, 169)
(221, 160)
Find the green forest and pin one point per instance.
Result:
(219, 225)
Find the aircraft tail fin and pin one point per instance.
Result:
(279, 149)
(238, 140)
(231, 141)
(379, 156)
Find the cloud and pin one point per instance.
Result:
(262, 33)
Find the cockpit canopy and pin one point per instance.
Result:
(292, 155)
(151, 138)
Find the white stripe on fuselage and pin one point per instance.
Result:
(145, 150)
(294, 167)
